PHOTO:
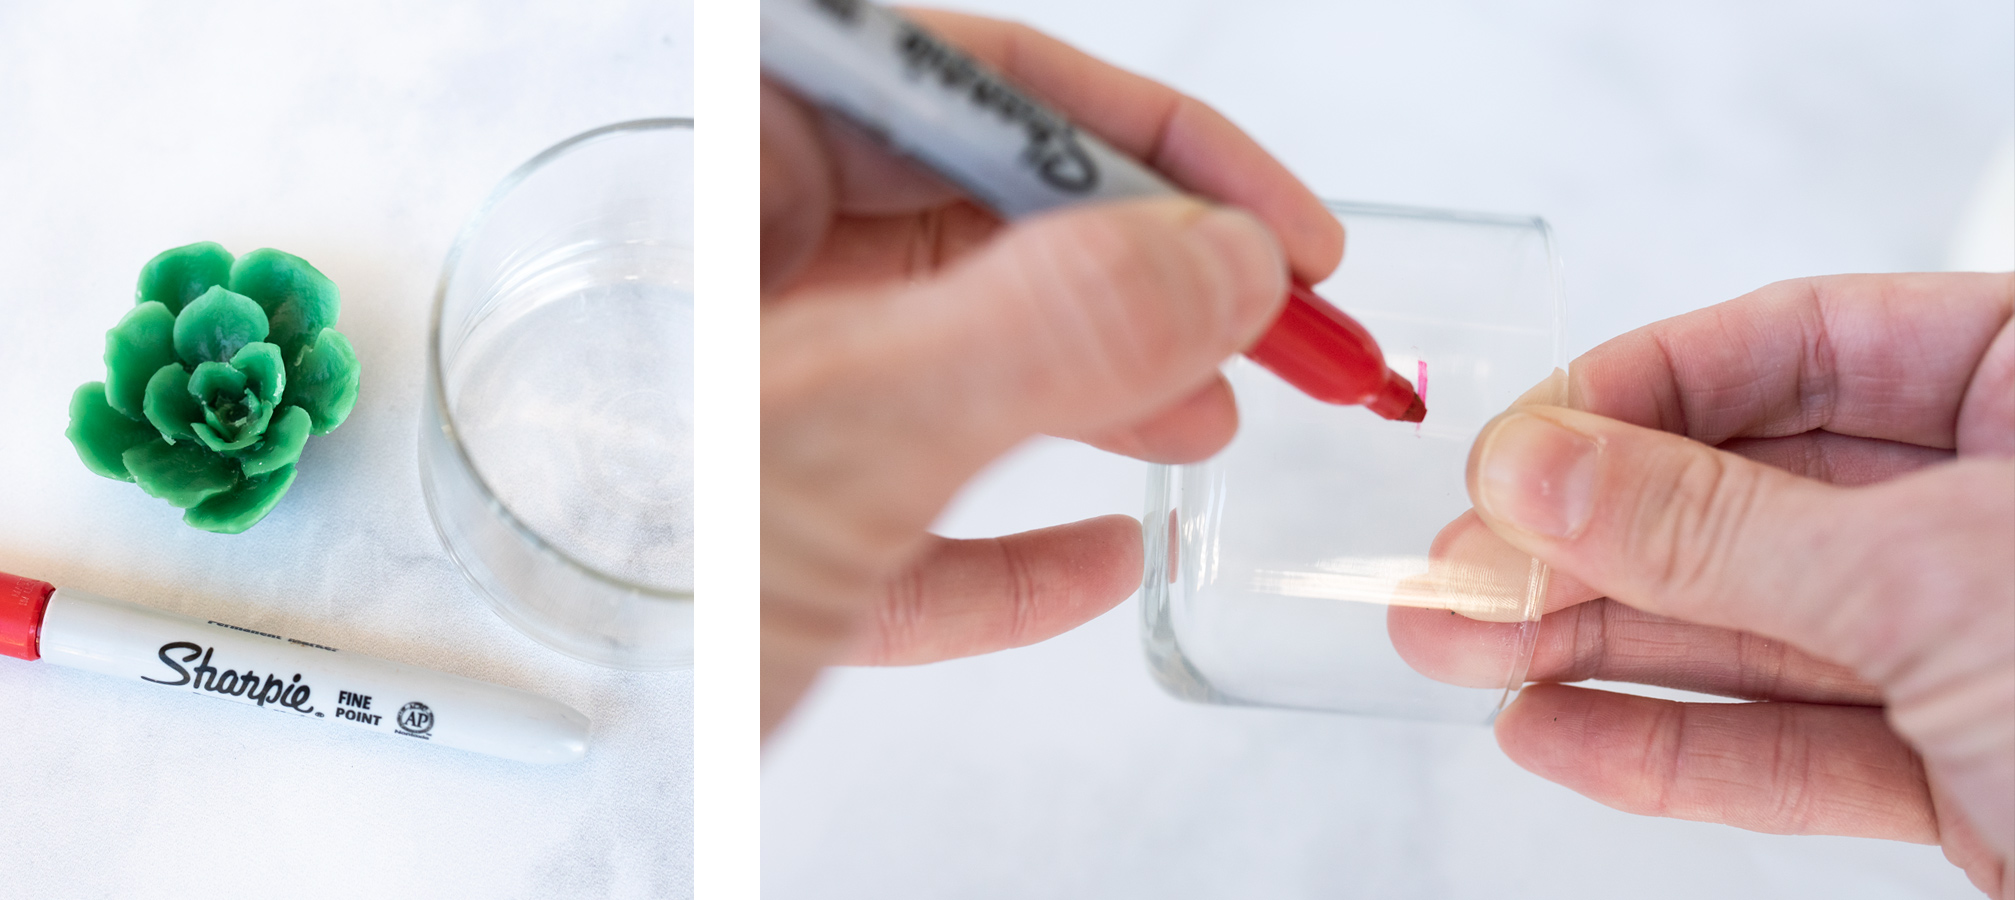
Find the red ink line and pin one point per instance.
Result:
(1420, 387)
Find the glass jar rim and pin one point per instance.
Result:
(437, 379)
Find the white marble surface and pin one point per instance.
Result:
(358, 135)
(1686, 153)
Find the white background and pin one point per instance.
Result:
(1686, 153)
(358, 135)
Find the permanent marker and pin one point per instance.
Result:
(165, 650)
(928, 100)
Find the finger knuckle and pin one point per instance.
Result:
(1789, 778)
(1661, 759)
(1590, 640)
(898, 619)
(1690, 521)
(1116, 300)
(1024, 595)
(1761, 665)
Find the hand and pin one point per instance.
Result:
(909, 338)
(1804, 496)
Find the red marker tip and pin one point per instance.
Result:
(1415, 412)
(1396, 400)
(1330, 357)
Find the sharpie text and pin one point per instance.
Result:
(248, 684)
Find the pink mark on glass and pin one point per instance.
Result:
(1420, 387)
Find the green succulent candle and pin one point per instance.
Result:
(214, 381)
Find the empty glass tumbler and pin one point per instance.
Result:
(556, 446)
(1327, 559)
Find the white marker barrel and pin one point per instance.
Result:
(301, 678)
(928, 100)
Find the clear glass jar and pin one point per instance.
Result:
(556, 445)
(1324, 559)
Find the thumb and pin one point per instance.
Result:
(1094, 318)
(1907, 581)
(1670, 525)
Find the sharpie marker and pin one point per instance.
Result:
(929, 101)
(174, 652)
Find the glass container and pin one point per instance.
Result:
(1326, 559)
(556, 443)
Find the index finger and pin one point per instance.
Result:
(1892, 357)
(1175, 134)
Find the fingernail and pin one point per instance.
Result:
(1537, 475)
(1248, 255)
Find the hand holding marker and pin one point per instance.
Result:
(83, 631)
(931, 102)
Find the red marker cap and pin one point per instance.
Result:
(22, 601)
(1330, 357)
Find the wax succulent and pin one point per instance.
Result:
(214, 380)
